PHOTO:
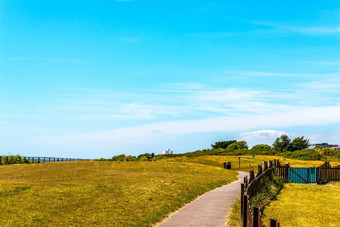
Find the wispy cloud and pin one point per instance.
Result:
(271, 74)
(265, 136)
(307, 30)
(297, 117)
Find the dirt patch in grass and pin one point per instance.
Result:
(101, 193)
(306, 205)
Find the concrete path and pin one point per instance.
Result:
(210, 209)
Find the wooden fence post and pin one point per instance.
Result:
(274, 223)
(265, 165)
(251, 175)
(255, 217)
(245, 181)
(245, 211)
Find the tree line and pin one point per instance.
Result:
(297, 148)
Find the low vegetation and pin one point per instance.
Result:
(234, 216)
(306, 205)
(101, 193)
(296, 148)
(13, 159)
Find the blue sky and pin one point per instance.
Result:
(88, 79)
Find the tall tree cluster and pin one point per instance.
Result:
(284, 143)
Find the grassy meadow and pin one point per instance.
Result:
(306, 205)
(101, 193)
(247, 161)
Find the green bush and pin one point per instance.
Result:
(305, 154)
(262, 149)
(13, 159)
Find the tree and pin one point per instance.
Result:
(241, 145)
(222, 144)
(131, 158)
(298, 143)
(281, 144)
(261, 147)
(121, 157)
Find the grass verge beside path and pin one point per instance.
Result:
(234, 216)
(101, 193)
(306, 205)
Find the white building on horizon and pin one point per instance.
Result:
(167, 151)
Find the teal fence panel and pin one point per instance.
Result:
(312, 175)
(303, 175)
(298, 175)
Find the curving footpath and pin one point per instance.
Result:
(209, 209)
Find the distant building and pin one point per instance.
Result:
(336, 148)
(324, 145)
(167, 151)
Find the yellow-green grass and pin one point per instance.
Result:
(305, 205)
(248, 160)
(334, 183)
(234, 216)
(101, 193)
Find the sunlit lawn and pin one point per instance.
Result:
(101, 193)
(247, 161)
(306, 205)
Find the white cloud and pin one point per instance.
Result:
(307, 30)
(266, 136)
(271, 74)
(133, 135)
(262, 134)
(332, 84)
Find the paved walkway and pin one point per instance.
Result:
(208, 210)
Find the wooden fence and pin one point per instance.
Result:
(326, 172)
(249, 189)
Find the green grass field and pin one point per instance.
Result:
(101, 193)
(246, 161)
(306, 205)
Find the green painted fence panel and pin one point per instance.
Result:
(303, 175)
(312, 175)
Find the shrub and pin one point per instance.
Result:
(305, 154)
(262, 149)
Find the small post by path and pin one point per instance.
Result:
(239, 162)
